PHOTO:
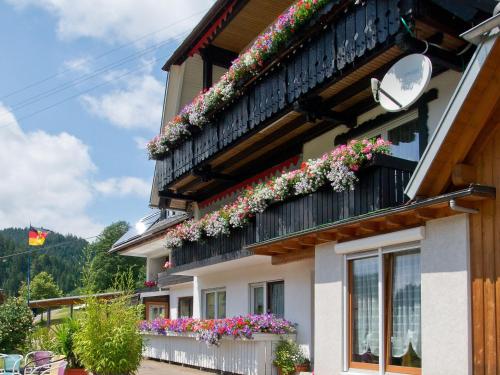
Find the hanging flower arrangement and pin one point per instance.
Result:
(338, 168)
(246, 66)
(211, 331)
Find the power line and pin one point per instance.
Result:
(45, 248)
(43, 80)
(106, 68)
(69, 98)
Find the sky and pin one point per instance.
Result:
(81, 92)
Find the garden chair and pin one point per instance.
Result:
(11, 364)
(38, 360)
(55, 368)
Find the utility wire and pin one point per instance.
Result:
(43, 80)
(70, 98)
(98, 72)
(45, 247)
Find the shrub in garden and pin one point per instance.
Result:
(16, 324)
(108, 341)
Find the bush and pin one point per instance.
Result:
(16, 324)
(65, 337)
(108, 341)
(288, 354)
(41, 338)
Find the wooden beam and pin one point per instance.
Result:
(368, 228)
(306, 253)
(323, 237)
(463, 174)
(426, 213)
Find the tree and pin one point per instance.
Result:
(16, 324)
(42, 286)
(103, 267)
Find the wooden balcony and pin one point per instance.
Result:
(320, 81)
(381, 185)
(165, 279)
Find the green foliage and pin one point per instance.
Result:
(60, 256)
(41, 287)
(41, 338)
(16, 324)
(108, 341)
(288, 354)
(102, 267)
(65, 335)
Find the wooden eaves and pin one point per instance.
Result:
(301, 245)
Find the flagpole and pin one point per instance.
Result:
(29, 268)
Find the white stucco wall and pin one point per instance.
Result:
(298, 278)
(445, 297)
(446, 336)
(445, 83)
(176, 292)
(153, 267)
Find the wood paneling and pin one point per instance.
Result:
(485, 257)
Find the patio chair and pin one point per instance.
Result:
(38, 360)
(11, 364)
(55, 368)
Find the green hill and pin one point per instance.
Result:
(61, 256)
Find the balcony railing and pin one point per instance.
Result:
(381, 185)
(317, 62)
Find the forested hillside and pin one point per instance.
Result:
(61, 256)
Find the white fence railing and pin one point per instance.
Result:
(238, 356)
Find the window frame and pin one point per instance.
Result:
(150, 304)
(265, 285)
(216, 301)
(186, 298)
(384, 305)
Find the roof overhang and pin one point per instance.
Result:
(301, 245)
(71, 300)
(475, 97)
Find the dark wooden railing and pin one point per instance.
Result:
(316, 62)
(381, 185)
(214, 249)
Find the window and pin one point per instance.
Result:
(185, 307)
(404, 133)
(155, 310)
(384, 318)
(215, 304)
(268, 297)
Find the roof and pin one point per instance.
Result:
(146, 228)
(220, 7)
(475, 96)
(70, 300)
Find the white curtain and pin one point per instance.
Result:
(406, 315)
(365, 308)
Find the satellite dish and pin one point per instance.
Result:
(404, 83)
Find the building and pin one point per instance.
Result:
(397, 275)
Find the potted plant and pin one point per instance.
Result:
(289, 358)
(108, 341)
(65, 333)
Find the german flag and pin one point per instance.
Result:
(37, 236)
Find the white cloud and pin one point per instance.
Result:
(48, 180)
(120, 20)
(124, 186)
(78, 65)
(141, 142)
(138, 105)
(45, 179)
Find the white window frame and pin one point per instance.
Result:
(263, 284)
(369, 253)
(204, 301)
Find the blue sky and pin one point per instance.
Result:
(81, 165)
